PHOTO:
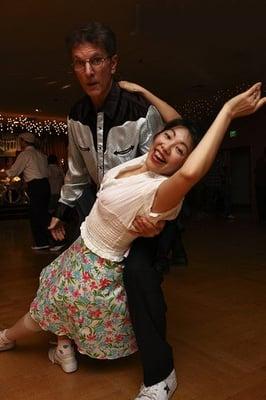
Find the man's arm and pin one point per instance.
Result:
(77, 177)
(17, 168)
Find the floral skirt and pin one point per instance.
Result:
(82, 296)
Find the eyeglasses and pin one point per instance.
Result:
(94, 62)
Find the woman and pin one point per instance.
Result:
(81, 294)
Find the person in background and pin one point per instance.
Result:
(32, 164)
(56, 180)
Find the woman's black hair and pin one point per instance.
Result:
(190, 125)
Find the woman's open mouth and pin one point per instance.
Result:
(158, 157)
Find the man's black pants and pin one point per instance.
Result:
(148, 310)
(39, 194)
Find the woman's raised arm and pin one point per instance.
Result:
(172, 191)
(167, 112)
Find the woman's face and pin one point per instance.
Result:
(169, 151)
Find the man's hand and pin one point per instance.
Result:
(144, 227)
(57, 229)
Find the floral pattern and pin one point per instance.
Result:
(82, 296)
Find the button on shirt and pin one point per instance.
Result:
(32, 163)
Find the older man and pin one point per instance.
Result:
(109, 126)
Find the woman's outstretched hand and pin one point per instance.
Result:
(246, 103)
(130, 86)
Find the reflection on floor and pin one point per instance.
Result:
(216, 321)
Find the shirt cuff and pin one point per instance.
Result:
(63, 212)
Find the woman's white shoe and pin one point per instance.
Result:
(5, 343)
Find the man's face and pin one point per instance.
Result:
(94, 70)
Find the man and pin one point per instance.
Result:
(107, 127)
(33, 165)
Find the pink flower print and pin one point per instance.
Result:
(66, 289)
(53, 273)
(96, 313)
(104, 283)
(68, 274)
(76, 293)
(47, 311)
(93, 285)
(77, 247)
(34, 305)
(72, 309)
(64, 330)
(43, 324)
(91, 337)
(118, 338)
(121, 297)
(55, 317)
(108, 340)
(86, 276)
(80, 320)
(53, 290)
(100, 261)
(47, 282)
(108, 324)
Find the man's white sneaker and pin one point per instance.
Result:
(57, 248)
(161, 391)
(65, 357)
(46, 246)
(5, 343)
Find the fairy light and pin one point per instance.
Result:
(18, 124)
(205, 107)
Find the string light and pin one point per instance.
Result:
(204, 108)
(18, 124)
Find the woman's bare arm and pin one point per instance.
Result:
(172, 190)
(167, 112)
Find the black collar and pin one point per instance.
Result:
(111, 102)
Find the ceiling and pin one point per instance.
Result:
(182, 50)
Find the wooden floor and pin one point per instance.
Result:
(216, 321)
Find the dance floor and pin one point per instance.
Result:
(216, 321)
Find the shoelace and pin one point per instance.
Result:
(149, 393)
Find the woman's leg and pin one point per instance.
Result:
(63, 354)
(25, 326)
